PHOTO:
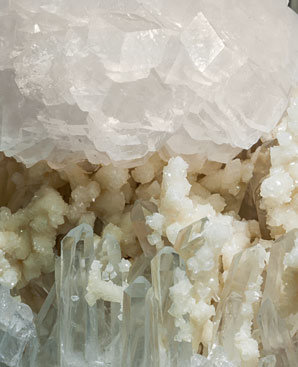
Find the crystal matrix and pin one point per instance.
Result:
(115, 80)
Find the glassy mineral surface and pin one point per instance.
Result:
(148, 183)
(170, 263)
(114, 81)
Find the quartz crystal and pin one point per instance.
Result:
(235, 312)
(134, 323)
(16, 328)
(138, 214)
(116, 80)
(278, 301)
(72, 333)
(76, 320)
(124, 239)
(161, 265)
(145, 325)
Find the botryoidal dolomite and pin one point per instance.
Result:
(117, 80)
(158, 265)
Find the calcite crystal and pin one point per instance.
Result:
(115, 81)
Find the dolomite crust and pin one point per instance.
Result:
(116, 81)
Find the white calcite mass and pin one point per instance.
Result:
(116, 80)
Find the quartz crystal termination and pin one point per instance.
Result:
(144, 330)
(115, 81)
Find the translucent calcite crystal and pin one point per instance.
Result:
(115, 81)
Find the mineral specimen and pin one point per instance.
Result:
(139, 256)
(116, 80)
(172, 276)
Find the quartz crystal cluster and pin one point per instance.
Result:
(148, 183)
(169, 263)
(116, 80)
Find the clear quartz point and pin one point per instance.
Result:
(239, 300)
(134, 326)
(140, 267)
(44, 349)
(279, 302)
(109, 252)
(78, 324)
(141, 209)
(190, 239)
(166, 350)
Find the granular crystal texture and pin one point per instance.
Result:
(115, 81)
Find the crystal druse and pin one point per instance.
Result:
(116, 80)
(148, 183)
(70, 332)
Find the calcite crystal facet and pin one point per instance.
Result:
(115, 81)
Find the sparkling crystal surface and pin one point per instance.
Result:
(167, 351)
(138, 217)
(78, 334)
(134, 324)
(143, 327)
(278, 302)
(114, 81)
(235, 311)
(16, 328)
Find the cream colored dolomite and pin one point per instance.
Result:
(279, 189)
